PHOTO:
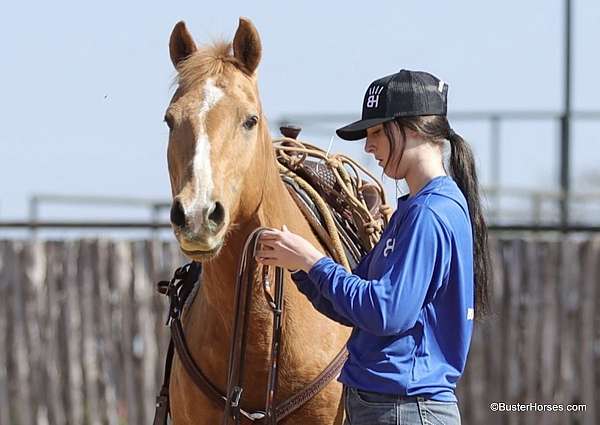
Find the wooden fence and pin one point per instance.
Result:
(82, 336)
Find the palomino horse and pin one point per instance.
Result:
(225, 183)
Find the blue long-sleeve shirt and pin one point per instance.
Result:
(410, 299)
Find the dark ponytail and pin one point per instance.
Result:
(464, 173)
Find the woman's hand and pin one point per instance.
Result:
(286, 249)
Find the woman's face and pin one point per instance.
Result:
(378, 145)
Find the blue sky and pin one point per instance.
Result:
(85, 84)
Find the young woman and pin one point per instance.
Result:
(412, 299)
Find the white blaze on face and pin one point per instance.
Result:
(201, 165)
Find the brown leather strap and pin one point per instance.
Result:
(297, 400)
(200, 380)
(243, 299)
(271, 414)
(161, 412)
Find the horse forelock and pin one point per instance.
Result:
(208, 61)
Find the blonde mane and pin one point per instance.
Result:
(207, 61)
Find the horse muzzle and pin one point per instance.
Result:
(199, 230)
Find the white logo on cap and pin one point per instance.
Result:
(373, 99)
(441, 86)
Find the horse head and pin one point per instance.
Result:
(218, 138)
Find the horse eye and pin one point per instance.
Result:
(250, 122)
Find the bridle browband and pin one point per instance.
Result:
(178, 290)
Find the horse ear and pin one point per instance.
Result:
(246, 46)
(181, 44)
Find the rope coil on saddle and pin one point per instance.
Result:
(338, 194)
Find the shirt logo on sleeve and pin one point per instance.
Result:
(470, 314)
(389, 246)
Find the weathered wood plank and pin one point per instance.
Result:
(589, 312)
(568, 303)
(21, 358)
(4, 323)
(511, 254)
(157, 267)
(88, 324)
(477, 378)
(530, 308)
(73, 313)
(143, 298)
(54, 263)
(596, 327)
(106, 356)
(551, 323)
(495, 342)
(123, 275)
(34, 287)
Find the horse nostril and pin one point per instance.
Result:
(177, 214)
(217, 214)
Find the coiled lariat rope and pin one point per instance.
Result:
(345, 196)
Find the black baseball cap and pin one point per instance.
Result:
(404, 94)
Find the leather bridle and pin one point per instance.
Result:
(178, 290)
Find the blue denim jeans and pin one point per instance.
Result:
(369, 408)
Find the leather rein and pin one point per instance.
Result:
(178, 290)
